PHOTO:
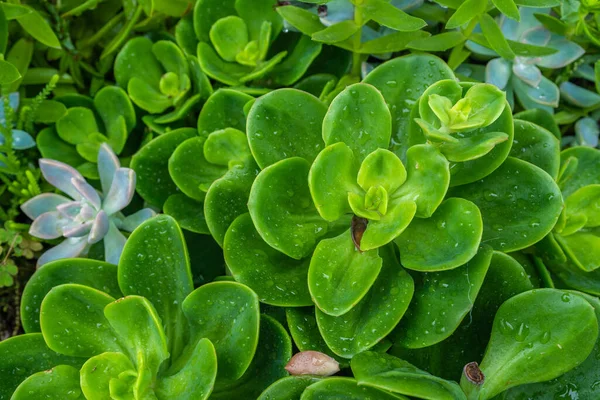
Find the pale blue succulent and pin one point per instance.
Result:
(522, 77)
(21, 140)
(87, 217)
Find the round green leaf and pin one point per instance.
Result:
(428, 177)
(340, 275)
(454, 230)
(374, 317)
(536, 145)
(53, 147)
(276, 278)
(282, 209)
(401, 81)
(332, 176)
(196, 378)
(190, 170)
(155, 264)
(381, 168)
(519, 204)
(359, 117)
(136, 60)
(387, 372)
(381, 232)
(268, 365)
(586, 171)
(24, 355)
(451, 293)
(227, 313)
(150, 163)
(95, 274)
(344, 388)
(58, 383)
(285, 123)
(207, 12)
(537, 336)
(112, 104)
(97, 372)
(229, 36)
(77, 125)
(73, 322)
(288, 388)
(223, 109)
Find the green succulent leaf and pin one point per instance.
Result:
(387, 372)
(150, 163)
(583, 163)
(223, 109)
(335, 167)
(288, 388)
(276, 278)
(382, 231)
(455, 229)
(346, 388)
(73, 322)
(25, 355)
(472, 147)
(60, 382)
(536, 145)
(77, 125)
(294, 226)
(188, 213)
(98, 371)
(530, 329)
(374, 316)
(452, 293)
(95, 274)
(390, 16)
(337, 32)
(155, 264)
(285, 123)
(227, 313)
(467, 11)
(359, 117)
(519, 204)
(229, 35)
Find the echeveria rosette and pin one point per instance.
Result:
(159, 76)
(235, 38)
(163, 340)
(21, 140)
(522, 76)
(87, 217)
(76, 137)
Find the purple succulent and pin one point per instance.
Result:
(87, 217)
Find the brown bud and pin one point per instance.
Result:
(322, 11)
(312, 363)
(358, 228)
(473, 373)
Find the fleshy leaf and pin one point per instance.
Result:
(60, 382)
(95, 385)
(59, 175)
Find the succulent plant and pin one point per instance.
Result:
(520, 74)
(87, 217)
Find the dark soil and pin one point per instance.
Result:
(10, 299)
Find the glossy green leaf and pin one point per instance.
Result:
(303, 20)
(135, 321)
(382, 231)
(223, 109)
(582, 248)
(428, 177)
(472, 147)
(95, 274)
(387, 372)
(273, 352)
(344, 388)
(8, 72)
(227, 313)
(508, 8)
(25, 355)
(136, 60)
(154, 264)
(340, 275)
(295, 65)
(229, 73)
(359, 117)
(585, 202)
(519, 204)
(34, 24)
(584, 171)
(401, 81)
(229, 35)
(285, 123)
(19, 55)
(439, 42)
(117, 113)
(288, 388)
(276, 278)
(531, 329)
(194, 379)
(451, 292)
(73, 322)
(294, 226)
(77, 125)
(541, 118)
(207, 12)
(454, 230)
(374, 317)
(335, 167)
(257, 13)
(99, 370)
(58, 383)
(534, 144)
(150, 163)
(337, 32)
